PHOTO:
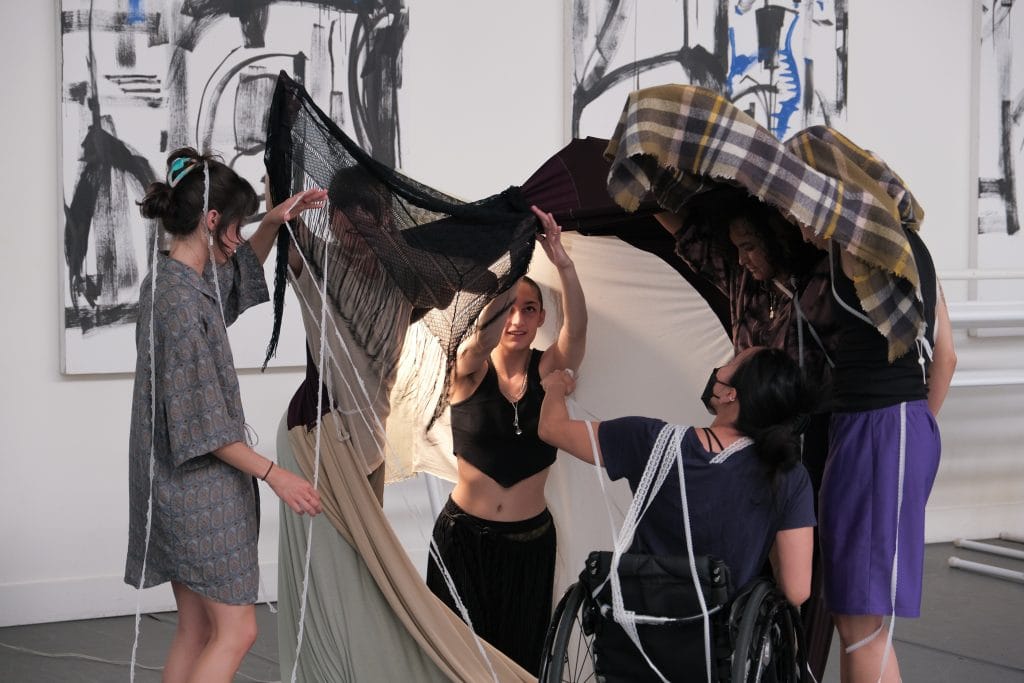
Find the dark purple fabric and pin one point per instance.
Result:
(302, 407)
(733, 513)
(858, 508)
(573, 186)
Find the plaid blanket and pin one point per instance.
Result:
(674, 141)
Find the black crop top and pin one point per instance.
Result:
(864, 379)
(484, 435)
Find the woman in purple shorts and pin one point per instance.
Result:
(883, 455)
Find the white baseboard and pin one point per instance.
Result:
(948, 523)
(39, 602)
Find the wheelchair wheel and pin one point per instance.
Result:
(769, 643)
(568, 648)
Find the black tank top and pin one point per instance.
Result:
(483, 431)
(863, 377)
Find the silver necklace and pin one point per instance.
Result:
(515, 404)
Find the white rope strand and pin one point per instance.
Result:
(316, 479)
(677, 451)
(449, 582)
(896, 551)
(213, 261)
(152, 447)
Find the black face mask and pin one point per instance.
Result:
(709, 390)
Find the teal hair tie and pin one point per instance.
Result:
(179, 169)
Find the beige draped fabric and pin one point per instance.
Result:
(369, 615)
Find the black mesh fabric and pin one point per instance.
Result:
(446, 257)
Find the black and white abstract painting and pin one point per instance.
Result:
(1001, 134)
(784, 63)
(143, 77)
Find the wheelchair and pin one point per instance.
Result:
(756, 634)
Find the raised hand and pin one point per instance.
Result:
(551, 239)
(296, 204)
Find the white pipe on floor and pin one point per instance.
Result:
(986, 569)
(989, 548)
(1013, 538)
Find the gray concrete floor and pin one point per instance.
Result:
(970, 630)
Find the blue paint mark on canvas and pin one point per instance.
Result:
(789, 76)
(738, 64)
(136, 15)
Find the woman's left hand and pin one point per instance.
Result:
(559, 380)
(551, 239)
(296, 204)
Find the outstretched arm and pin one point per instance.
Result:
(943, 364)
(472, 358)
(555, 426)
(263, 239)
(672, 222)
(568, 349)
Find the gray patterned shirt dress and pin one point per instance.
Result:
(204, 511)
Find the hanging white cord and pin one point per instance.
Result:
(449, 582)
(667, 450)
(835, 294)
(213, 261)
(341, 342)
(628, 619)
(316, 476)
(896, 551)
(573, 408)
(677, 451)
(152, 448)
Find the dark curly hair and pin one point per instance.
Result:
(713, 212)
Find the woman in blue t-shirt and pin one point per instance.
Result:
(749, 498)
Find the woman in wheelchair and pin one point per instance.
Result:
(747, 498)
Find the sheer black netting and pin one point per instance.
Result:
(382, 234)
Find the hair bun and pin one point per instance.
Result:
(157, 202)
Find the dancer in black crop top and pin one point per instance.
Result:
(495, 536)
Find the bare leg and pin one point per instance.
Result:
(233, 631)
(190, 637)
(864, 664)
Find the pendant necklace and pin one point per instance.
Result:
(519, 397)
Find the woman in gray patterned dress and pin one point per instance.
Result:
(192, 491)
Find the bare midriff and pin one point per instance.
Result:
(479, 495)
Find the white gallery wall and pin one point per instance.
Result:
(482, 104)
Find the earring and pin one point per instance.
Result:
(209, 240)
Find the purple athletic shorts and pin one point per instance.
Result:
(857, 515)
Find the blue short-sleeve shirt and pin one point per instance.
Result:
(734, 510)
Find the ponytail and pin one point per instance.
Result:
(774, 402)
